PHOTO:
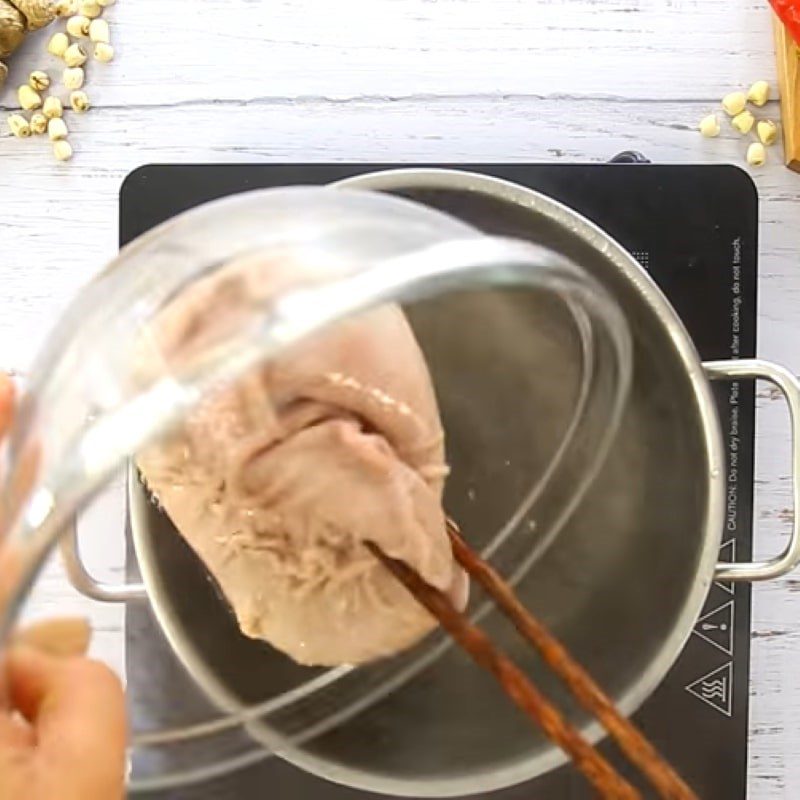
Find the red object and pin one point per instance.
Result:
(788, 12)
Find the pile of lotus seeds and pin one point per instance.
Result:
(743, 121)
(83, 21)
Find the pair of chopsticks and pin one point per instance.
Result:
(597, 770)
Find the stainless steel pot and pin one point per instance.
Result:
(621, 585)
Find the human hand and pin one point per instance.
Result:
(65, 738)
(6, 403)
(62, 719)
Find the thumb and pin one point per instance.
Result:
(76, 708)
(7, 395)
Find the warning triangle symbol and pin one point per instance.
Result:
(727, 555)
(716, 627)
(715, 689)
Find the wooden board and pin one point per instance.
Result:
(788, 56)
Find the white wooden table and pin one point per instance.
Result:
(425, 80)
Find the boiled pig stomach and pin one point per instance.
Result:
(278, 480)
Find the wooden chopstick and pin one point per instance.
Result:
(630, 740)
(603, 777)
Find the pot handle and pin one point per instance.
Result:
(789, 386)
(88, 586)
(753, 368)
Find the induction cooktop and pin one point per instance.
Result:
(694, 229)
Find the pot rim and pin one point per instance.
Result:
(395, 179)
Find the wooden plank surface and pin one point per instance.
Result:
(472, 80)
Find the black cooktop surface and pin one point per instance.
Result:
(694, 228)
